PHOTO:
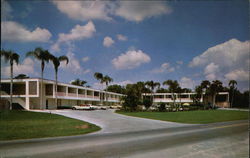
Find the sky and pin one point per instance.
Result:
(130, 41)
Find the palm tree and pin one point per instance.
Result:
(205, 88)
(12, 57)
(214, 89)
(232, 84)
(172, 86)
(179, 90)
(152, 85)
(21, 76)
(44, 56)
(198, 95)
(99, 77)
(107, 80)
(56, 62)
(78, 82)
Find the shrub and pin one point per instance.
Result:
(162, 107)
(64, 107)
(147, 102)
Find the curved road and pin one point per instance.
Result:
(228, 139)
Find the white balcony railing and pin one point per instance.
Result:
(61, 94)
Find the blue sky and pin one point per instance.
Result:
(188, 41)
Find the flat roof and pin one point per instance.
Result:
(59, 83)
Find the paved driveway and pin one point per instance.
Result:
(111, 122)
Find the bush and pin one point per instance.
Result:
(162, 107)
(147, 102)
(130, 102)
(64, 107)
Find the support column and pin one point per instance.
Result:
(27, 99)
(67, 91)
(54, 90)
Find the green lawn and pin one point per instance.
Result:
(194, 117)
(25, 124)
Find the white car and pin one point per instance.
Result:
(83, 107)
(99, 107)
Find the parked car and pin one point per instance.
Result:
(101, 107)
(83, 107)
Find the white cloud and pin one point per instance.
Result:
(179, 62)
(5, 10)
(210, 71)
(84, 10)
(186, 82)
(103, 10)
(77, 33)
(26, 67)
(228, 54)
(108, 41)
(224, 61)
(238, 75)
(15, 32)
(74, 65)
(98, 85)
(121, 37)
(139, 10)
(85, 59)
(165, 67)
(131, 59)
(123, 83)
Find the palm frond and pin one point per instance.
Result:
(64, 58)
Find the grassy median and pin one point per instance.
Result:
(193, 117)
(26, 124)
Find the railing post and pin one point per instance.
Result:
(27, 99)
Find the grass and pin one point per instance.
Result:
(26, 124)
(193, 117)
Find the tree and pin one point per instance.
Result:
(56, 62)
(179, 91)
(214, 89)
(107, 80)
(232, 84)
(12, 58)
(44, 56)
(205, 85)
(132, 98)
(152, 85)
(198, 95)
(116, 89)
(99, 77)
(78, 82)
(162, 90)
(21, 76)
(172, 86)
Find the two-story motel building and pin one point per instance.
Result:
(27, 93)
(221, 100)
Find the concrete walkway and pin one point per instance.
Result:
(233, 109)
(111, 122)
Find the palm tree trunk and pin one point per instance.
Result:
(56, 90)
(180, 101)
(11, 84)
(41, 100)
(232, 99)
(106, 98)
(214, 100)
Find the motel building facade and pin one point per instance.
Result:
(221, 99)
(27, 93)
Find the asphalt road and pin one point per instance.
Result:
(229, 139)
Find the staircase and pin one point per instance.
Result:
(15, 100)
